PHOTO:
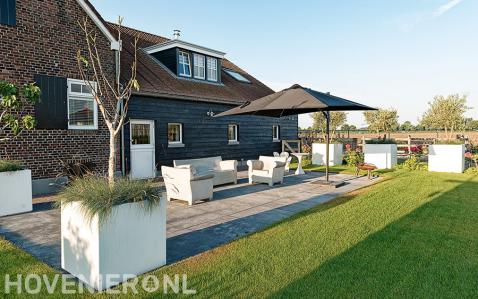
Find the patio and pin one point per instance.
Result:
(237, 210)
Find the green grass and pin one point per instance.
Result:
(333, 169)
(412, 235)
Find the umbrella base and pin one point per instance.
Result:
(330, 184)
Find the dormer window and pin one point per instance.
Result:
(184, 64)
(199, 66)
(211, 69)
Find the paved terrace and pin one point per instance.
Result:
(237, 210)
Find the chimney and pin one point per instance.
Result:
(176, 33)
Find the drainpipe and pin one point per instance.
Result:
(122, 142)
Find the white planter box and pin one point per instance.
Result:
(16, 192)
(335, 153)
(131, 242)
(446, 158)
(384, 156)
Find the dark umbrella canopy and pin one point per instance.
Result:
(298, 100)
(295, 100)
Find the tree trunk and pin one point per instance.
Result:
(111, 159)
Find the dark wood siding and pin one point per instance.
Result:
(8, 14)
(168, 58)
(51, 112)
(205, 136)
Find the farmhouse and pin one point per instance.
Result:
(183, 86)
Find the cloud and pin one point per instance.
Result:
(409, 22)
(446, 7)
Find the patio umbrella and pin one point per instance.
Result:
(298, 100)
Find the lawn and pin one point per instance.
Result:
(412, 235)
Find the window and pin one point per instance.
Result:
(199, 66)
(82, 108)
(232, 134)
(275, 133)
(175, 134)
(140, 134)
(184, 64)
(237, 76)
(211, 69)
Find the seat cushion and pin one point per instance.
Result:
(260, 172)
(203, 176)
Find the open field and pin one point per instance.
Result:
(411, 235)
(472, 135)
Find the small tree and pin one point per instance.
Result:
(347, 127)
(111, 95)
(446, 114)
(13, 103)
(382, 120)
(337, 119)
(407, 126)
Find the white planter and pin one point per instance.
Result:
(446, 158)
(131, 242)
(335, 153)
(384, 156)
(15, 192)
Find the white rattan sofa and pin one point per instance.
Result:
(224, 172)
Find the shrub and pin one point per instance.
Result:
(412, 163)
(353, 157)
(471, 170)
(10, 165)
(97, 197)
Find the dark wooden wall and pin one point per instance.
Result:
(168, 58)
(206, 136)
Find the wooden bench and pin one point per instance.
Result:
(367, 167)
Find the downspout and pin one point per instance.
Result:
(122, 142)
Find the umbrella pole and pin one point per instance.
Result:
(327, 137)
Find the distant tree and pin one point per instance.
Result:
(471, 124)
(347, 127)
(407, 126)
(382, 120)
(446, 114)
(337, 119)
(14, 102)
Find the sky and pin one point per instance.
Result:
(383, 53)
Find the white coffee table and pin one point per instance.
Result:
(299, 158)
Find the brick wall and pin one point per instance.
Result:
(45, 41)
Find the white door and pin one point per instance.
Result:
(142, 149)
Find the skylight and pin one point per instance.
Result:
(237, 76)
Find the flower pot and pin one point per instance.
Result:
(384, 156)
(16, 192)
(130, 242)
(446, 158)
(335, 153)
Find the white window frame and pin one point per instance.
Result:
(81, 96)
(236, 139)
(181, 68)
(196, 57)
(208, 59)
(180, 134)
(276, 138)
